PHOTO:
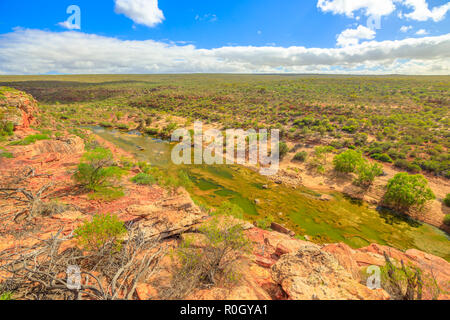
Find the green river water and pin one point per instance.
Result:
(339, 220)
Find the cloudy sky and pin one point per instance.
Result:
(239, 36)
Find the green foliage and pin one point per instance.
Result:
(396, 281)
(6, 128)
(406, 165)
(143, 179)
(97, 173)
(4, 154)
(283, 149)
(347, 161)
(213, 262)
(103, 230)
(447, 220)
(301, 156)
(167, 130)
(6, 296)
(231, 209)
(151, 131)
(383, 157)
(367, 173)
(351, 126)
(447, 200)
(405, 191)
(345, 110)
(265, 223)
(30, 140)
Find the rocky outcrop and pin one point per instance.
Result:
(355, 260)
(53, 148)
(169, 217)
(18, 107)
(313, 274)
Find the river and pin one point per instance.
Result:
(340, 220)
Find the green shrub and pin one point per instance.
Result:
(6, 128)
(447, 220)
(406, 165)
(383, 157)
(447, 200)
(123, 126)
(106, 124)
(367, 173)
(30, 140)
(151, 131)
(103, 230)
(212, 263)
(405, 191)
(301, 156)
(97, 173)
(143, 179)
(6, 296)
(265, 223)
(347, 161)
(283, 149)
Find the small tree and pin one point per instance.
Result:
(347, 161)
(405, 191)
(98, 173)
(367, 173)
(103, 230)
(283, 149)
(301, 156)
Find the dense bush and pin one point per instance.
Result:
(447, 220)
(301, 156)
(103, 230)
(347, 161)
(97, 172)
(143, 179)
(367, 173)
(382, 157)
(284, 149)
(405, 191)
(406, 165)
(447, 200)
(6, 128)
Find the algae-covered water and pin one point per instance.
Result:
(339, 220)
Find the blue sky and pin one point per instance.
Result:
(226, 36)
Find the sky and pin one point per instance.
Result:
(233, 36)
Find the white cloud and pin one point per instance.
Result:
(145, 12)
(422, 32)
(26, 51)
(349, 7)
(421, 11)
(405, 28)
(69, 26)
(351, 37)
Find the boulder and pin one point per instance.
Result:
(18, 107)
(344, 254)
(282, 229)
(313, 274)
